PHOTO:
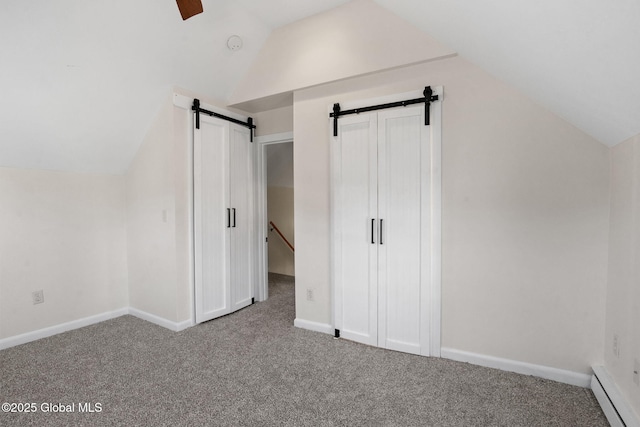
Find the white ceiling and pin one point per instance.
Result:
(578, 58)
(81, 81)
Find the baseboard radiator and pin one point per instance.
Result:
(613, 404)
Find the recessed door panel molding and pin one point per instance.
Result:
(399, 188)
(357, 236)
(241, 171)
(385, 199)
(211, 191)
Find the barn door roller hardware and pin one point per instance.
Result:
(196, 107)
(429, 97)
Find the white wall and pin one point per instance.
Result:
(181, 157)
(525, 216)
(63, 233)
(279, 120)
(151, 221)
(99, 243)
(357, 38)
(623, 291)
(158, 212)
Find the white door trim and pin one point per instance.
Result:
(436, 223)
(262, 230)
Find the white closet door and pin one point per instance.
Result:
(211, 198)
(355, 242)
(241, 177)
(401, 184)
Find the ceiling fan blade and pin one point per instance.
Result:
(188, 8)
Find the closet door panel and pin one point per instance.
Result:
(355, 214)
(241, 204)
(399, 188)
(211, 199)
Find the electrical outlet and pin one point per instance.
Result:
(616, 345)
(310, 295)
(38, 297)
(636, 372)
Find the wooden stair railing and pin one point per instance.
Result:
(281, 236)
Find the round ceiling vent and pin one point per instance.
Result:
(234, 43)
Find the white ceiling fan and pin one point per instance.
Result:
(189, 8)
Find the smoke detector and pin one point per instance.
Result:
(234, 43)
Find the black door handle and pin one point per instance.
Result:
(373, 226)
(381, 232)
(234, 217)
(228, 217)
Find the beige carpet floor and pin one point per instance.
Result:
(254, 368)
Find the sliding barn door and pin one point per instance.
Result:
(223, 218)
(211, 199)
(381, 220)
(241, 197)
(355, 203)
(403, 208)
(354, 166)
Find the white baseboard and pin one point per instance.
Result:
(554, 374)
(91, 320)
(58, 329)
(613, 404)
(160, 321)
(314, 326)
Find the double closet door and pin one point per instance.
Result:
(223, 218)
(381, 217)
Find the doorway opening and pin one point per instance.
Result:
(276, 260)
(281, 250)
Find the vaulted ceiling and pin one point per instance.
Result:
(578, 58)
(81, 81)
